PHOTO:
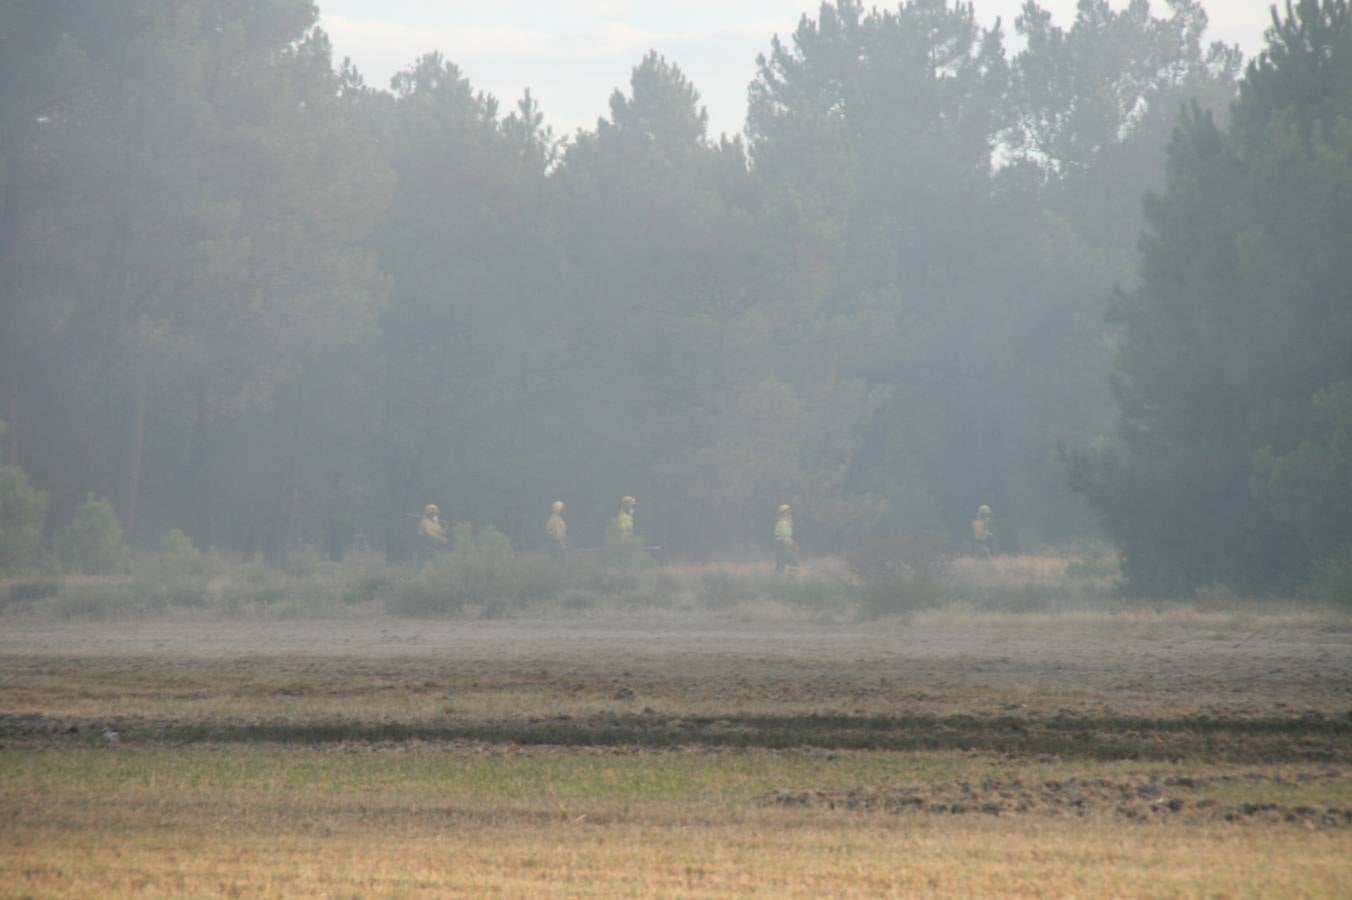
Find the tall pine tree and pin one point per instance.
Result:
(1242, 316)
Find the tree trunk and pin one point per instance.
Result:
(9, 303)
(193, 514)
(395, 528)
(137, 451)
(11, 418)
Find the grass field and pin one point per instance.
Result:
(1143, 753)
(376, 820)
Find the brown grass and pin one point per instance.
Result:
(768, 856)
(261, 822)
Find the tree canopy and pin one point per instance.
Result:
(248, 295)
(1236, 345)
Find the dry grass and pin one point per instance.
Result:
(1253, 619)
(767, 856)
(430, 821)
(826, 590)
(1006, 569)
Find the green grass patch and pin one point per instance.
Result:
(1317, 793)
(425, 774)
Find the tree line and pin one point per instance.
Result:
(1233, 463)
(247, 295)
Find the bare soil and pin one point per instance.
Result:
(1142, 799)
(1126, 687)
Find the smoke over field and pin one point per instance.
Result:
(941, 487)
(669, 752)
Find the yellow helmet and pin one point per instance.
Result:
(784, 507)
(983, 510)
(431, 510)
(558, 506)
(628, 501)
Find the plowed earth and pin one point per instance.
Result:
(1199, 692)
(1178, 798)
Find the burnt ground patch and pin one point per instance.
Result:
(1304, 739)
(1143, 799)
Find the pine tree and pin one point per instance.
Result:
(1241, 317)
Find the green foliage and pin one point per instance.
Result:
(332, 302)
(489, 584)
(1103, 566)
(163, 304)
(1310, 487)
(482, 541)
(984, 360)
(92, 542)
(481, 573)
(1240, 318)
(177, 544)
(1096, 102)
(23, 510)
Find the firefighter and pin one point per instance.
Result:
(624, 521)
(786, 548)
(983, 536)
(557, 529)
(431, 536)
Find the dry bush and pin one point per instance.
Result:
(496, 582)
(900, 575)
(182, 582)
(721, 589)
(1027, 583)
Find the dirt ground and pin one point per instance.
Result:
(1139, 686)
(686, 755)
(1131, 665)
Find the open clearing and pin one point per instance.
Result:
(1077, 754)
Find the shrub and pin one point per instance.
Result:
(102, 600)
(1105, 566)
(176, 543)
(720, 589)
(187, 578)
(1331, 581)
(1019, 597)
(23, 510)
(92, 542)
(482, 572)
(370, 584)
(816, 594)
(484, 540)
(899, 575)
(483, 576)
(23, 593)
(427, 596)
(302, 562)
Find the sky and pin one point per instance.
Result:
(573, 54)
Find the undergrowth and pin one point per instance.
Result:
(484, 577)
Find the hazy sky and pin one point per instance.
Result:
(573, 53)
